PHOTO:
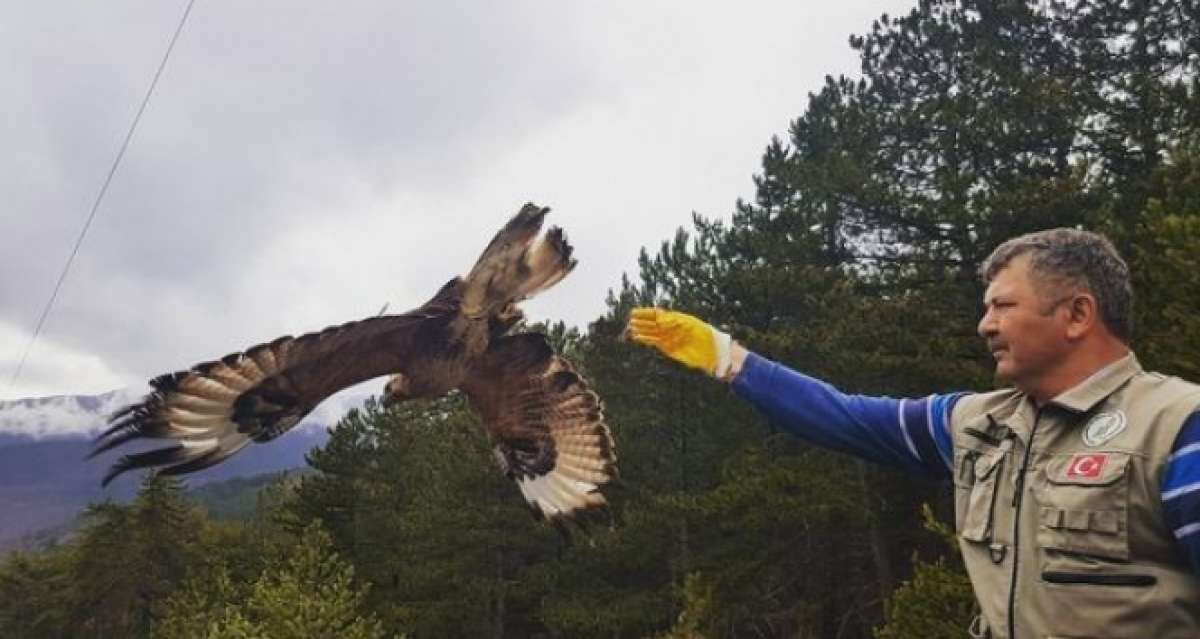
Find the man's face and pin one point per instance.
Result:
(1025, 332)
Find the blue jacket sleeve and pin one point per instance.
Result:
(1181, 490)
(912, 434)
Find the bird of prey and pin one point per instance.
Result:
(545, 423)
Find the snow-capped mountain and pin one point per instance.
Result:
(62, 415)
(45, 478)
(73, 416)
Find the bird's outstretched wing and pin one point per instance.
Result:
(547, 426)
(215, 409)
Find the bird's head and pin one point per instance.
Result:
(395, 390)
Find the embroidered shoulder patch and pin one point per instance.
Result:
(1103, 427)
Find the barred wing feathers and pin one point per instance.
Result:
(547, 426)
(215, 409)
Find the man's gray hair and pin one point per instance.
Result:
(1074, 260)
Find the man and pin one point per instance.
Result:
(1077, 491)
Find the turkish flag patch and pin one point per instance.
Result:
(1086, 465)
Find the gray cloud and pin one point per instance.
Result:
(302, 163)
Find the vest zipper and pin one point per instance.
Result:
(1018, 498)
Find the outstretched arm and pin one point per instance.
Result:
(913, 434)
(910, 433)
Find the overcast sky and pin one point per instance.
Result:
(301, 164)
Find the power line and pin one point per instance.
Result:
(100, 196)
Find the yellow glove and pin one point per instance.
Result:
(683, 338)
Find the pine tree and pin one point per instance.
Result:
(313, 595)
(202, 607)
(310, 594)
(33, 595)
(1164, 257)
(439, 532)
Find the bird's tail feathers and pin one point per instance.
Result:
(517, 264)
(549, 260)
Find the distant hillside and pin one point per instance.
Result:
(228, 499)
(237, 498)
(44, 477)
(45, 483)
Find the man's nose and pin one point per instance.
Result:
(987, 325)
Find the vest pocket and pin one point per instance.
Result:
(1098, 579)
(1083, 505)
(983, 470)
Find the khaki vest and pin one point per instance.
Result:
(1059, 510)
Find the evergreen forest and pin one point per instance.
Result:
(854, 261)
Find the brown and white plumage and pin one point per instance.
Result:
(547, 425)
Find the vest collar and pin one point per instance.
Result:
(1104, 382)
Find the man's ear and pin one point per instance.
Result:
(1083, 315)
